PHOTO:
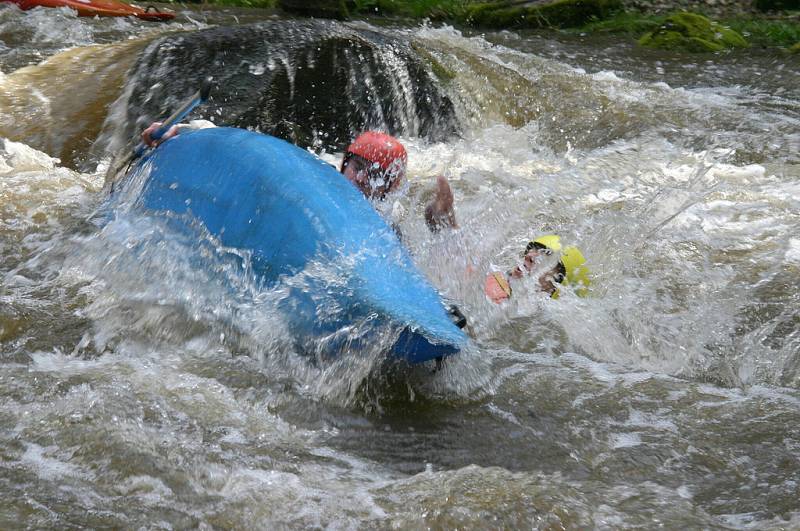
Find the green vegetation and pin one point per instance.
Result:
(685, 31)
(757, 31)
(631, 23)
(766, 32)
(556, 14)
(440, 9)
(693, 33)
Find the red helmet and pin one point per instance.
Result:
(380, 148)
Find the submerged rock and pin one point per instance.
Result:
(558, 14)
(693, 33)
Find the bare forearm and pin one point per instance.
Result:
(439, 213)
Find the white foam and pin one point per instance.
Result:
(599, 371)
(793, 251)
(655, 421)
(606, 75)
(234, 436)
(16, 157)
(625, 440)
(148, 489)
(47, 466)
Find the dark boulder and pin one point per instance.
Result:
(335, 9)
(315, 83)
(777, 5)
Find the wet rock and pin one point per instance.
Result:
(335, 9)
(443, 73)
(777, 5)
(561, 13)
(314, 83)
(693, 33)
(340, 86)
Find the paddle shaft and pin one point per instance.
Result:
(182, 112)
(196, 99)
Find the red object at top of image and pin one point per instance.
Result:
(101, 8)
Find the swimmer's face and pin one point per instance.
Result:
(529, 261)
(533, 261)
(366, 176)
(357, 173)
(548, 282)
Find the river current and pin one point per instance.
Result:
(136, 392)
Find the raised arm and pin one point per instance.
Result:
(439, 213)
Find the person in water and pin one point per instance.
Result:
(555, 266)
(374, 162)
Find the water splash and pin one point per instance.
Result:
(156, 372)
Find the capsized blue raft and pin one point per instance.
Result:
(286, 207)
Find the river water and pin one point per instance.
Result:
(139, 393)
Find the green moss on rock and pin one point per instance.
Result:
(443, 73)
(693, 33)
(795, 48)
(558, 14)
(633, 23)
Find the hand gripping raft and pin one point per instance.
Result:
(286, 207)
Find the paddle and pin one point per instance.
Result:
(182, 112)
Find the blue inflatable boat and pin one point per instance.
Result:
(286, 208)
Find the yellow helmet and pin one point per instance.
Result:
(549, 241)
(576, 272)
